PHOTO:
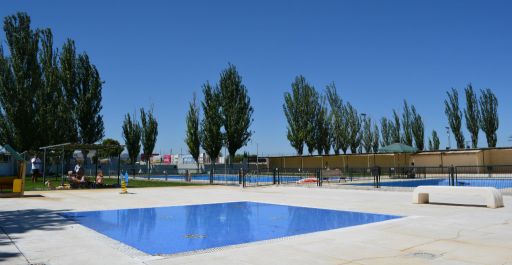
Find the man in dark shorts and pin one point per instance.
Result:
(36, 167)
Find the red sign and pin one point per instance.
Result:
(167, 159)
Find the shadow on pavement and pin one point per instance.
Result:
(13, 223)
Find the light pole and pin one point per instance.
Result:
(448, 133)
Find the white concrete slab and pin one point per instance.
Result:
(431, 234)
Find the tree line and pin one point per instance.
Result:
(481, 113)
(226, 117)
(47, 96)
(137, 133)
(322, 121)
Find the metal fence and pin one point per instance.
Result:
(499, 177)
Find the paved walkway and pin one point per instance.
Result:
(431, 234)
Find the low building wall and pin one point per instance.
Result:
(473, 157)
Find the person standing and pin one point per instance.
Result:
(36, 167)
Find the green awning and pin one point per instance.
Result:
(398, 148)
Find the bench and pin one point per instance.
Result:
(493, 197)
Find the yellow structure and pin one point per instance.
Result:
(18, 182)
(468, 157)
(124, 190)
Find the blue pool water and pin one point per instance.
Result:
(480, 182)
(232, 178)
(175, 229)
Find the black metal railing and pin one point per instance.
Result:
(498, 176)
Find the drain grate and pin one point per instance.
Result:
(424, 255)
(195, 235)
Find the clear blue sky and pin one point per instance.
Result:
(377, 52)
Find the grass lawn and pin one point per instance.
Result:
(132, 183)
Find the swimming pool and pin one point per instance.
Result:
(475, 182)
(176, 229)
(232, 178)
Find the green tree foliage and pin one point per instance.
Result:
(354, 125)
(46, 97)
(20, 81)
(51, 112)
(299, 108)
(375, 145)
(132, 133)
(88, 102)
(311, 110)
(418, 129)
(114, 148)
(236, 110)
(335, 105)
(472, 115)
(322, 127)
(192, 138)
(395, 128)
(435, 141)
(367, 134)
(407, 124)
(149, 133)
(454, 115)
(339, 126)
(386, 127)
(70, 82)
(211, 134)
(293, 112)
(489, 121)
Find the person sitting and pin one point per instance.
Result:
(99, 177)
(78, 179)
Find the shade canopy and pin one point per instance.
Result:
(7, 149)
(398, 148)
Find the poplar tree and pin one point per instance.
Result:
(367, 134)
(345, 130)
(69, 82)
(354, 125)
(489, 121)
(395, 130)
(472, 115)
(300, 110)
(149, 133)
(293, 111)
(407, 125)
(322, 127)
(385, 128)
(132, 135)
(435, 140)
(192, 138)
(236, 110)
(311, 109)
(211, 124)
(20, 81)
(49, 97)
(418, 129)
(454, 115)
(336, 113)
(46, 97)
(375, 145)
(88, 103)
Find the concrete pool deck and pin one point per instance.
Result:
(430, 234)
